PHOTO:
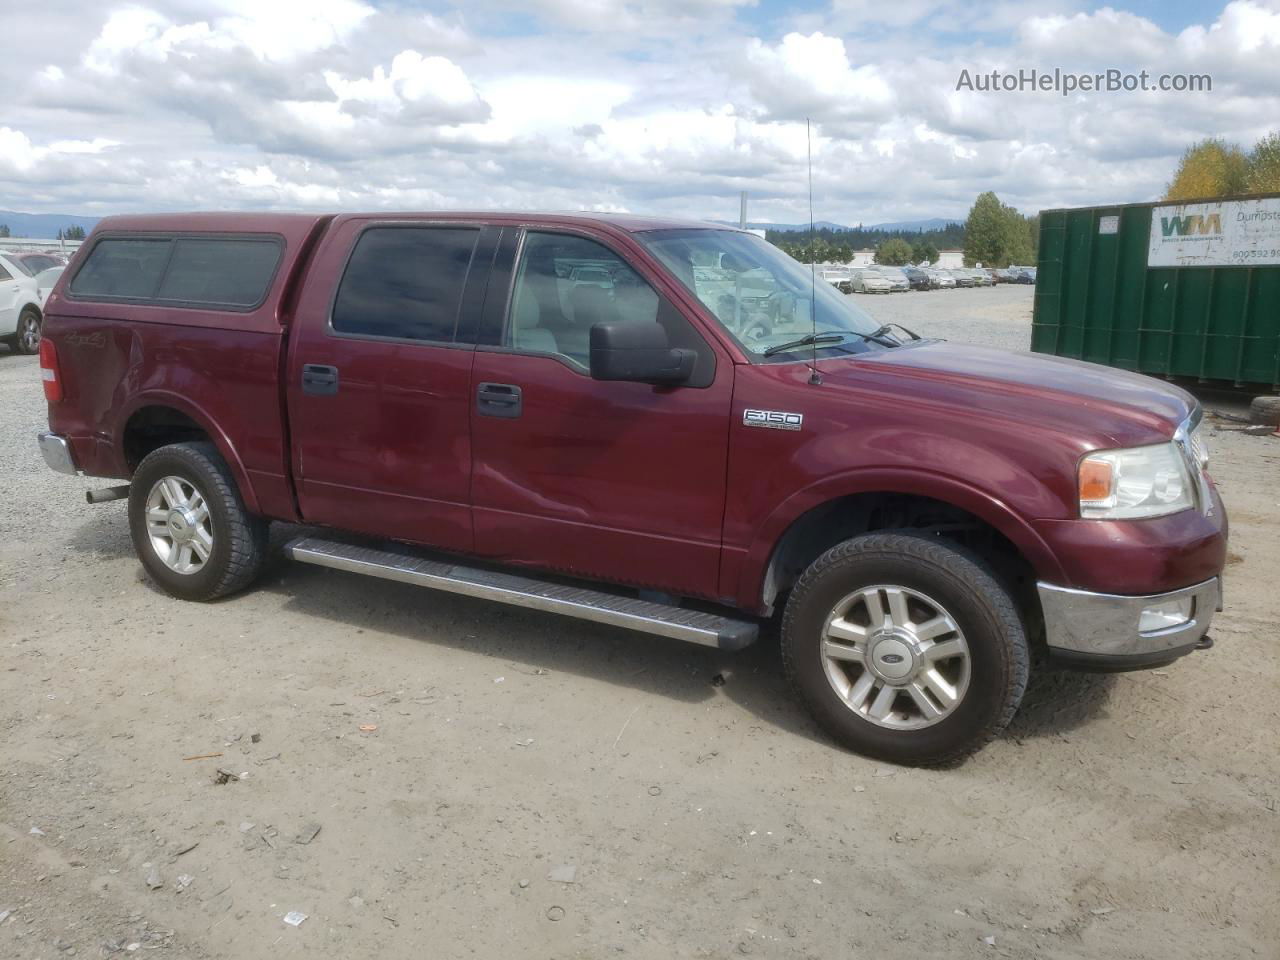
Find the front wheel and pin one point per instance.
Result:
(27, 338)
(189, 525)
(905, 648)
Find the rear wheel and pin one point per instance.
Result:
(27, 338)
(905, 649)
(189, 525)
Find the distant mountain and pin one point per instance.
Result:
(917, 226)
(43, 226)
(785, 227)
(904, 226)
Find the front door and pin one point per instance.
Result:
(380, 375)
(607, 480)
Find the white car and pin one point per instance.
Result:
(20, 313)
(868, 281)
(838, 277)
(45, 281)
(941, 279)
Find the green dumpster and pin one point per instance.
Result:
(1179, 289)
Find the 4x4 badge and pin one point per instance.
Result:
(772, 419)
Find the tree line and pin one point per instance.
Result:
(994, 234)
(1215, 168)
(834, 245)
(71, 233)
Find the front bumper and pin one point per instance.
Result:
(1100, 630)
(57, 453)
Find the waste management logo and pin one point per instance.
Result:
(1235, 233)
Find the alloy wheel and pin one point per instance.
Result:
(896, 657)
(179, 525)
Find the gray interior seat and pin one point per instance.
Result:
(527, 333)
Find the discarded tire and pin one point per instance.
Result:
(1265, 410)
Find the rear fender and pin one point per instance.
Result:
(219, 438)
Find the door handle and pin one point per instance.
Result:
(500, 400)
(319, 380)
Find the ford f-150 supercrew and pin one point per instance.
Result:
(660, 425)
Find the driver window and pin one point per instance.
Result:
(564, 285)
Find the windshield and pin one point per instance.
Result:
(761, 296)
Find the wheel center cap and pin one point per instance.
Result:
(891, 658)
(181, 525)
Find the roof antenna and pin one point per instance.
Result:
(815, 378)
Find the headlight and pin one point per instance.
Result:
(1138, 482)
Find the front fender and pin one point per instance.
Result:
(898, 480)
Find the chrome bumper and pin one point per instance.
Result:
(57, 453)
(1096, 627)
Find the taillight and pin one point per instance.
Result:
(49, 371)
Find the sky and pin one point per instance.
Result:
(667, 107)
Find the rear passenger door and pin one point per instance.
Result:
(379, 377)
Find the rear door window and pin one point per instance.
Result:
(223, 272)
(405, 283)
(122, 269)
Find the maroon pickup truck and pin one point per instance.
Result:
(660, 425)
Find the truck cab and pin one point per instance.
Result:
(662, 425)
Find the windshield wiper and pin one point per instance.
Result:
(805, 341)
(910, 333)
(878, 333)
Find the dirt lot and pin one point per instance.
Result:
(1130, 816)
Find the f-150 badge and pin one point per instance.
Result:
(772, 419)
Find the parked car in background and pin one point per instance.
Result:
(868, 280)
(33, 262)
(916, 517)
(21, 313)
(45, 281)
(919, 278)
(898, 282)
(962, 277)
(1023, 275)
(838, 277)
(941, 279)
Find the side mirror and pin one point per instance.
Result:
(638, 352)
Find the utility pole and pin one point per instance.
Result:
(742, 212)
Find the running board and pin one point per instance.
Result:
(708, 629)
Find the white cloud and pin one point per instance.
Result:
(812, 75)
(667, 106)
(96, 145)
(416, 87)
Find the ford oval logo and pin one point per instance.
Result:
(892, 658)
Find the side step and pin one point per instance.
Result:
(708, 629)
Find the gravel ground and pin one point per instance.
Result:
(1127, 816)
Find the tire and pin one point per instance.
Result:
(942, 586)
(27, 338)
(1265, 410)
(233, 541)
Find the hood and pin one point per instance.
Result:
(1107, 406)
